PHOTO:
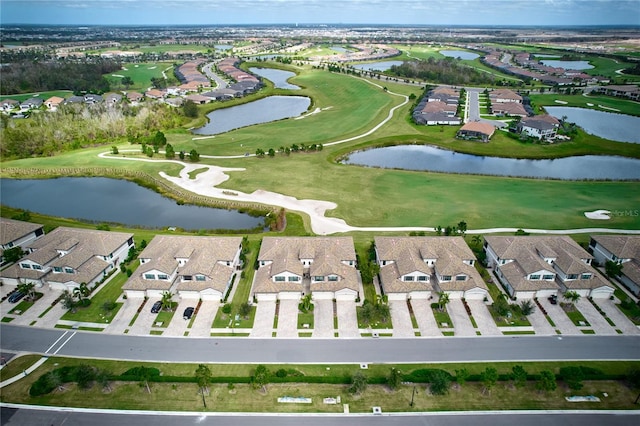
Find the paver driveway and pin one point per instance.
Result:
(204, 319)
(178, 325)
(559, 318)
(540, 324)
(323, 319)
(401, 319)
(288, 318)
(461, 322)
(483, 318)
(598, 324)
(263, 322)
(144, 322)
(38, 307)
(424, 317)
(621, 321)
(347, 319)
(124, 316)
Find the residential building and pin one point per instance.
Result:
(67, 257)
(15, 233)
(539, 126)
(623, 249)
(292, 267)
(418, 267)
(542, 266)
(509, 108)
(476, 130)
(32, 103)
(9, 104)
(191, 267)
(504, 96)
(53, 102)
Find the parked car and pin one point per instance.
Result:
(16, 296)
(156, 307)
(553, 299)
(188, 313)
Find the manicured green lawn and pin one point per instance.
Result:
(574, 314)
(42, 95)
(442, 317)
(141, 74)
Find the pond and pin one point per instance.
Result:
(116, 201)
(423, 157)
(223, 46)
(460, 54)
(608, 125)
(277, 77)
(376, 66)
(567, 65)
(339, 49)
(261, 111)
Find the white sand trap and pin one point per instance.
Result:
(560, 102)
(117, 75)
(589, 104)
(136, 66)
(152, 68)
(598, 214)
(315, 111)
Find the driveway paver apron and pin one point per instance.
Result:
(347, 319)
(288, 318)
(425, 318)
(483, 318)
(263, 322)
(621, 321)
(559, 318)
(204, 318)
(461, 321)
(598, 324)
(323, 319)
(401, 319)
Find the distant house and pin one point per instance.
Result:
(155, 94)
(113, 98)
(439, 106)
(418, 267)
(9, 104)
(509, 108)
(53, 102)
(174, 102)
(476, 130)
(623, 249)
(541, 266)
(223, 94)
(193, 267)
(504, 96)
(198, 99)
(444, 94)
(91, 99)
(67, 257)
(15, 233)
(539, 126)
(288, 267)
(134, 97)
(74, 100)
(629, 91)
(32, 103)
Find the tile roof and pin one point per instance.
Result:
(623, 246)
(12, 230)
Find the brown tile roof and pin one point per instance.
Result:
(12, 230)
(480, 127)
(623, 246)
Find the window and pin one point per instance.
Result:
(187, 278)
(318, 278)
(279, 279)
(547, 277)
(294, 279)
(200, 278)
(446, 278)
(534, 277)
(572, 276)
(149, 276)
(25, 266)
(163, 277)
(585, 276)
(408, 278)
(422, 278)
(461, 277)
(38, 267)
(333, 278)
(57, 269)
(68, 270)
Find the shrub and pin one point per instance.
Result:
(226, 309)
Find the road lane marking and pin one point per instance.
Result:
(56, 342)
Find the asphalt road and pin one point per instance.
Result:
(29, 417)
(363, 350)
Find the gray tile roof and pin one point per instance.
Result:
(623, 246)
(12, 230)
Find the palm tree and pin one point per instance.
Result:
(28, 288)
(572, 296)
(167, 301)
(443, 299)
(476, 240)
(527, 307)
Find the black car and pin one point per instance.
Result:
(16, 296)
(553, 299)
(188, 313)
(156, 307)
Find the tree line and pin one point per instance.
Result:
(40, 76)
(444, 71)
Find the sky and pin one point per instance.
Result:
(402, 12)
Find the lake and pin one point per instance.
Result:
(460, 54)
(424, 157)
(339, 49)
(376, 66)
(567, 65)
(277, 77)
(261, 111)
(608, 125)
(223, 46)
(116, 201)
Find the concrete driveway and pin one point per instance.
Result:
(323, 319)
(347, 319)
(145, 319)
(559, 318)
(540, 324)
(461, 321)
(31, 314)
(178, 324)
(401, 319)
(263, 322)
(288, 318)
(424, 317)
(621, 321)
(598, 324)
(124, 316)
(483, 318)
(204, 319)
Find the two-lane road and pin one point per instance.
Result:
(250, 350)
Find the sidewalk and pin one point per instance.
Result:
(25, 373)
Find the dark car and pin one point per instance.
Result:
(15, 297)
(553, 299)
(188, 313)
(156, 307)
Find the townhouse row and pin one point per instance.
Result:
(199, 267)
